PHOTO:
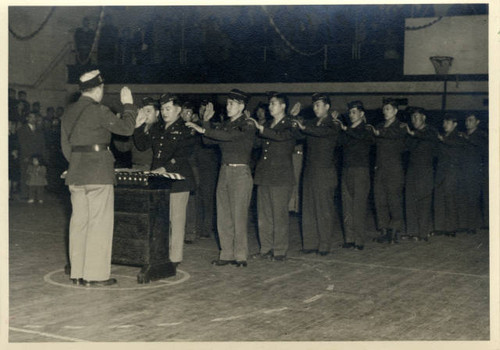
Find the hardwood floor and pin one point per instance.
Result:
(412, 291)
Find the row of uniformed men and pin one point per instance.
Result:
(171, 141)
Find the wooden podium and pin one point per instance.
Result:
(141, 232)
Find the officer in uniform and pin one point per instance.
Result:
(422, 144)
(389, 174)
(141, 160)
(85, 135)
(471, 176)
(450, 150)
(356, 141)
(320, 178)
(235, 138)
(172, 143)
(274, 176)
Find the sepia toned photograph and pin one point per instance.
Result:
(311, 175)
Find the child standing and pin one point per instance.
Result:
(37, 179)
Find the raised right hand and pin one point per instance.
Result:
(126, 96)
(141, 118)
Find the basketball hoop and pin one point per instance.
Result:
(441, 64)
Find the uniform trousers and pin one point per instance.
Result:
(419, 187)
(485, 198)
(91, 231)
(177, 210)
(445, 200)
(355, 190)
(469, 199)
(206, 203)
(234, 192)
(388, 192)
(318, 208)
(273, 218)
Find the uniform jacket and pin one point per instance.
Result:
(94, 126)
(390, 145)
(321, 141)
(356, 144)
(476, 149)
(235, 139)
(423, 147)
(172, 148)
(451, 152)
(275, 166)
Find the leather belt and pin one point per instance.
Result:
(232, 164)
(98, 147)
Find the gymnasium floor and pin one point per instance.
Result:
(412, 291)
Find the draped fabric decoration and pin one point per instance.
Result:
(96, 40)
(425, 25)
(32, 35)
(286, 41)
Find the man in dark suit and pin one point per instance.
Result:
(85, 136)
(172, 143)
(235, 138)
(356, 141)
(389, 175)
(422, 144)
(320, 178)
(274, 177)
(31, 141)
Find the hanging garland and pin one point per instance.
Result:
(27, 37)
(96, 40)
(425, 25)
(288, 43)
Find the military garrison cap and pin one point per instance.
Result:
(320, 96)
(90, 80)
(239, 96)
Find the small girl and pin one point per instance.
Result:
(37, 179)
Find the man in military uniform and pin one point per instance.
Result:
(449, 164)
(389, 174)
(172, 143)
(141, 160)
(85, 136)
(356, 141)
(320, 178)
(422, 144)
(471, 176)
(275, 178)
(235, 138)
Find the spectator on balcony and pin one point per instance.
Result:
(108, 42)
(142, 44)
(84, 38)
(125, 43)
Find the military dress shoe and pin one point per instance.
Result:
(219, 262)
(77, 281)
(324, 253)
(308, 251)
(267, 255)
(279, 258)
(107, 282)
(348, 245)
(359, 247)
(241, 263)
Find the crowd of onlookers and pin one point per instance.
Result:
(35, 158)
